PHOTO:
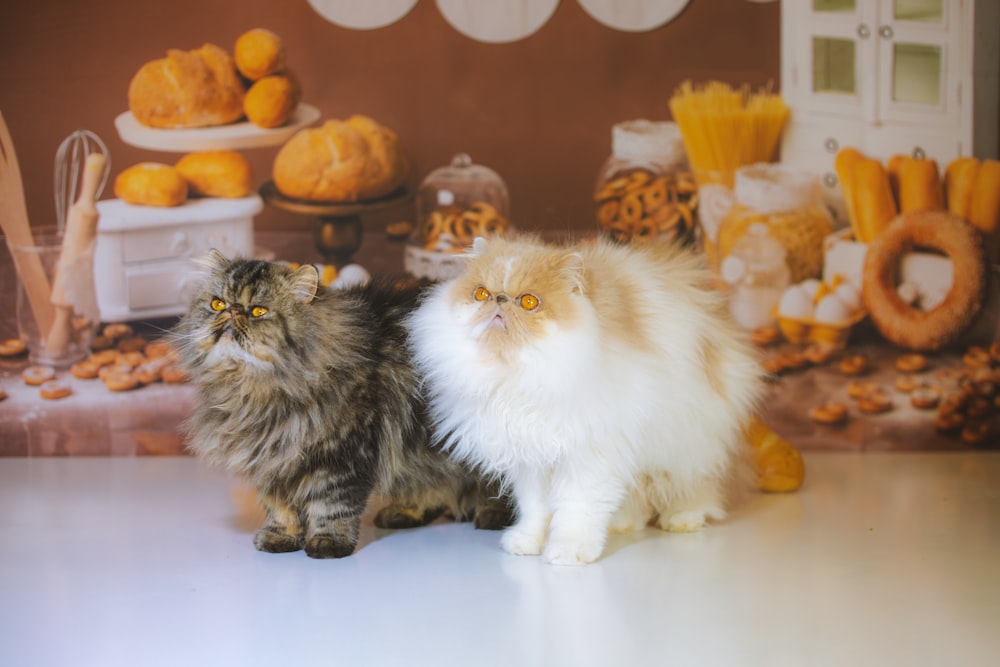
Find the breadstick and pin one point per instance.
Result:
(873, 202)
(845, 164)
(919, 185)
(959, 179)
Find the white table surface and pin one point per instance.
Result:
(881, 559)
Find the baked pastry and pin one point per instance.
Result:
(341, 161)
(271, 100)
(151, 184)
(54, 389)
(216, 174)
(197, 88)
(258, 53)
(779, 463)
(11, 347)
(896, 320)
(38, 375)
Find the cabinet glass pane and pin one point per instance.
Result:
(833, 5)
(916, 73)
(918, 10)
(833, 65)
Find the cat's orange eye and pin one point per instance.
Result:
(481, 294)
(258, 311)
(218, 305)
(528, 301)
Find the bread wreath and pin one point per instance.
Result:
(911, 327)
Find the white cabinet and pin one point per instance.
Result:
(918, 77)
(144, 261)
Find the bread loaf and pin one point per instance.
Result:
(216, 174)
(919, 186)
(151, 184)
(959, 180)
(873, 203)
(341, 161)
(198, 88)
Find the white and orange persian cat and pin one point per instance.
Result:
(605, 384)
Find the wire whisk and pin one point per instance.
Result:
(70, 159)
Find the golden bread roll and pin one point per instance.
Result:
(341, 161)
(919, 186)
(216, 174)
(197, 88)
(271, 100)
(779, 463)
(259, 52)
(151, 184)
(959, 181)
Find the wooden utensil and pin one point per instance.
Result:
(78, 242)
(15, 226)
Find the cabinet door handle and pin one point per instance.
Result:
(831, 145)
(829, 179)
(918, 153)
(886, 31)
(864, 32)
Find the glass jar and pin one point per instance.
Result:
(454, 205)
(645, 188)
(757, 275)
(790, 204)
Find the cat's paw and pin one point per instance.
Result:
(521, 543)
(406, 516)
(276, 542)
(493, 516)
(329, 546)
(572, 553)
(683, 522)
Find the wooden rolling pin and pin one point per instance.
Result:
(78, 242)
(15, 226)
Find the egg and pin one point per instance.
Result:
(850, 295)
(811, 287)
(831, 310)
(795, 302)
(351, 274)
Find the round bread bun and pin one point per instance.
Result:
(151, 184)
(910, 327)
(198, 88)
(259, 52)
(271, 100)
(216, 174)
(341, 161)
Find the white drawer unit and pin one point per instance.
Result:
(143, 264)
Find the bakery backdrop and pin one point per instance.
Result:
(538, 110)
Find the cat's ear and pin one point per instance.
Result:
(571, 268)
(304, 283)
(214, 261)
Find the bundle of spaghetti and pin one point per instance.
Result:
(724, 128)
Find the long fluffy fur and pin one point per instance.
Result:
(623, 396)
(316, 403)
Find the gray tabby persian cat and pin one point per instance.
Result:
(309, 394)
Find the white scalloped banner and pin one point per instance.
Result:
(362, 14)
(497, 21)
(633, 15)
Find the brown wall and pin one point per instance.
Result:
(539, 111)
